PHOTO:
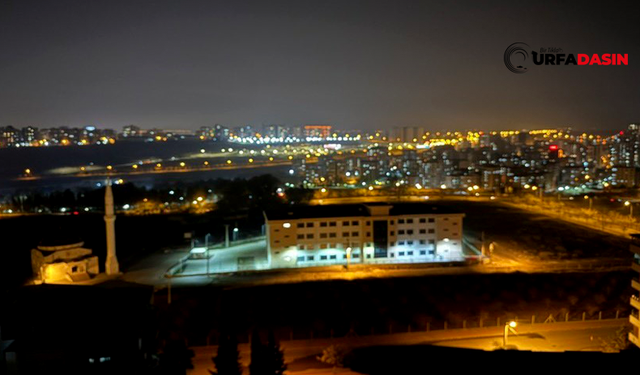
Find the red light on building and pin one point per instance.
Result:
(553, 147)
(317, 130)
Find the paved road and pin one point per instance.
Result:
(571, 336)
(226, 260)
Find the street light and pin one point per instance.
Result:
(508, 327)
(627, 203)
(590, 201)
(348, 257)
(206, 245)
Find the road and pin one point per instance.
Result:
(556, 337)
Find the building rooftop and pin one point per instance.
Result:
(347, 210)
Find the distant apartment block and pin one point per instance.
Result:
(363, 233)
(322, 131)
(634, 335)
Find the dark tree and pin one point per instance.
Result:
(228, 359)
(175, 358)
(299, 195)
(275, 356)
(259, 353)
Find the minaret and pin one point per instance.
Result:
(111, 266)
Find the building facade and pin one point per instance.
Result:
(363, 233)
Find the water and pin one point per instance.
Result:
(49, 163)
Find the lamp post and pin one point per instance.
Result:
(627, 203)
(206, 245)
(348, 257)
(590, 200)
(508, 327)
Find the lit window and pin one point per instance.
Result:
(286, 225)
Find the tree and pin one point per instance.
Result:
(299, 195)
(228, 359)
(334, 356)
(616, 342)
(258, 364)
(175, 358)
(275, 356)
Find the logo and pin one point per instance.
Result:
(516, 51)
(516, 58)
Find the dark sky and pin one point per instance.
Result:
(354, 64)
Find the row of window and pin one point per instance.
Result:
(410, 253)
(310, 236)
(421, 220)
(345, 223)
(312, 258)
(323, 246)
(421, 242)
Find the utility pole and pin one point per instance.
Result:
(206, 245)
(226, 235)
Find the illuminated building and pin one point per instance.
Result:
(634, 318)
(62, 260)
(323, 131)
(369, 233)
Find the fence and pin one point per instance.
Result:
(359, 330)
(179, 267)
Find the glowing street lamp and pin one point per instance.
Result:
(590, 201)
(627, 203)
(348, 257)
(508, 327)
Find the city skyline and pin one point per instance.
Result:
(355, 65)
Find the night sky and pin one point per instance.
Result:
(353, 64)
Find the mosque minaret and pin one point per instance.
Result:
(111, 266)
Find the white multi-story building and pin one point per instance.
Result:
(363, 233)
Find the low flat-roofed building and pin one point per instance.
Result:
(363, 233)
